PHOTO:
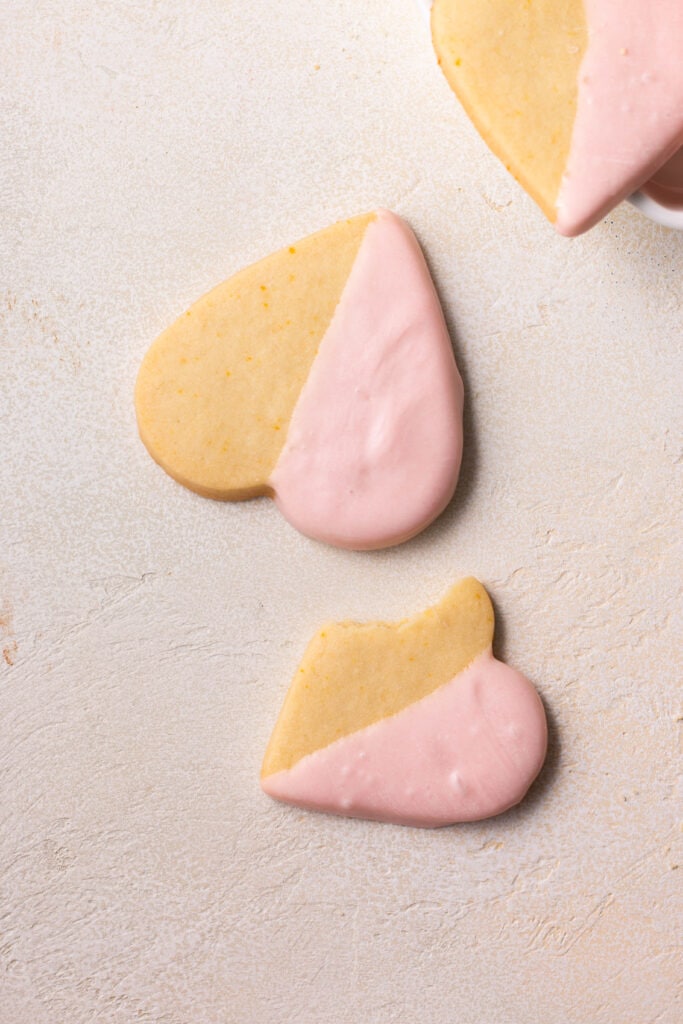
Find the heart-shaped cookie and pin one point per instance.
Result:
(582, 100)
(322, 376)
(415, 723)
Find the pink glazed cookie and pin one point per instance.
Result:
(322, 376)
(581, 99)
(415, 723)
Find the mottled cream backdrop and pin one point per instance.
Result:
(148, 150)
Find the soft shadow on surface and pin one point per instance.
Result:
(499, 631)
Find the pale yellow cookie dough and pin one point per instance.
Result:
(216, 390)
(514, 65)
(353, 675)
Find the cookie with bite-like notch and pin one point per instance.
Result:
(414, 722)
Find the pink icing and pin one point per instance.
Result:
(374, 446)
(469, 750)
(629, 117)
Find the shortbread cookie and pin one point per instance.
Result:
(415, 722)
(581, 99)
(322, 376)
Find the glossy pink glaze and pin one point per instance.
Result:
(374, 446)
(629, 117)
(467, 751)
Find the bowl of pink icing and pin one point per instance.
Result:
(661, 198)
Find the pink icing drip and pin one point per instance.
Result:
(629, 117)
(467, 751)
(374, 446)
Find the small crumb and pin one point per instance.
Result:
(623, 51)
(292, 249)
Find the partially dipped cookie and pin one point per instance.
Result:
(415, 722)
(582, 100)
(322, 376)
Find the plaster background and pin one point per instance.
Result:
(149, 150)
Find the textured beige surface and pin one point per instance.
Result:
(149, 635)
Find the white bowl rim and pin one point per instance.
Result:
(668, 216)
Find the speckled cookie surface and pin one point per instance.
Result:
(217, 389)
(515, 68)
